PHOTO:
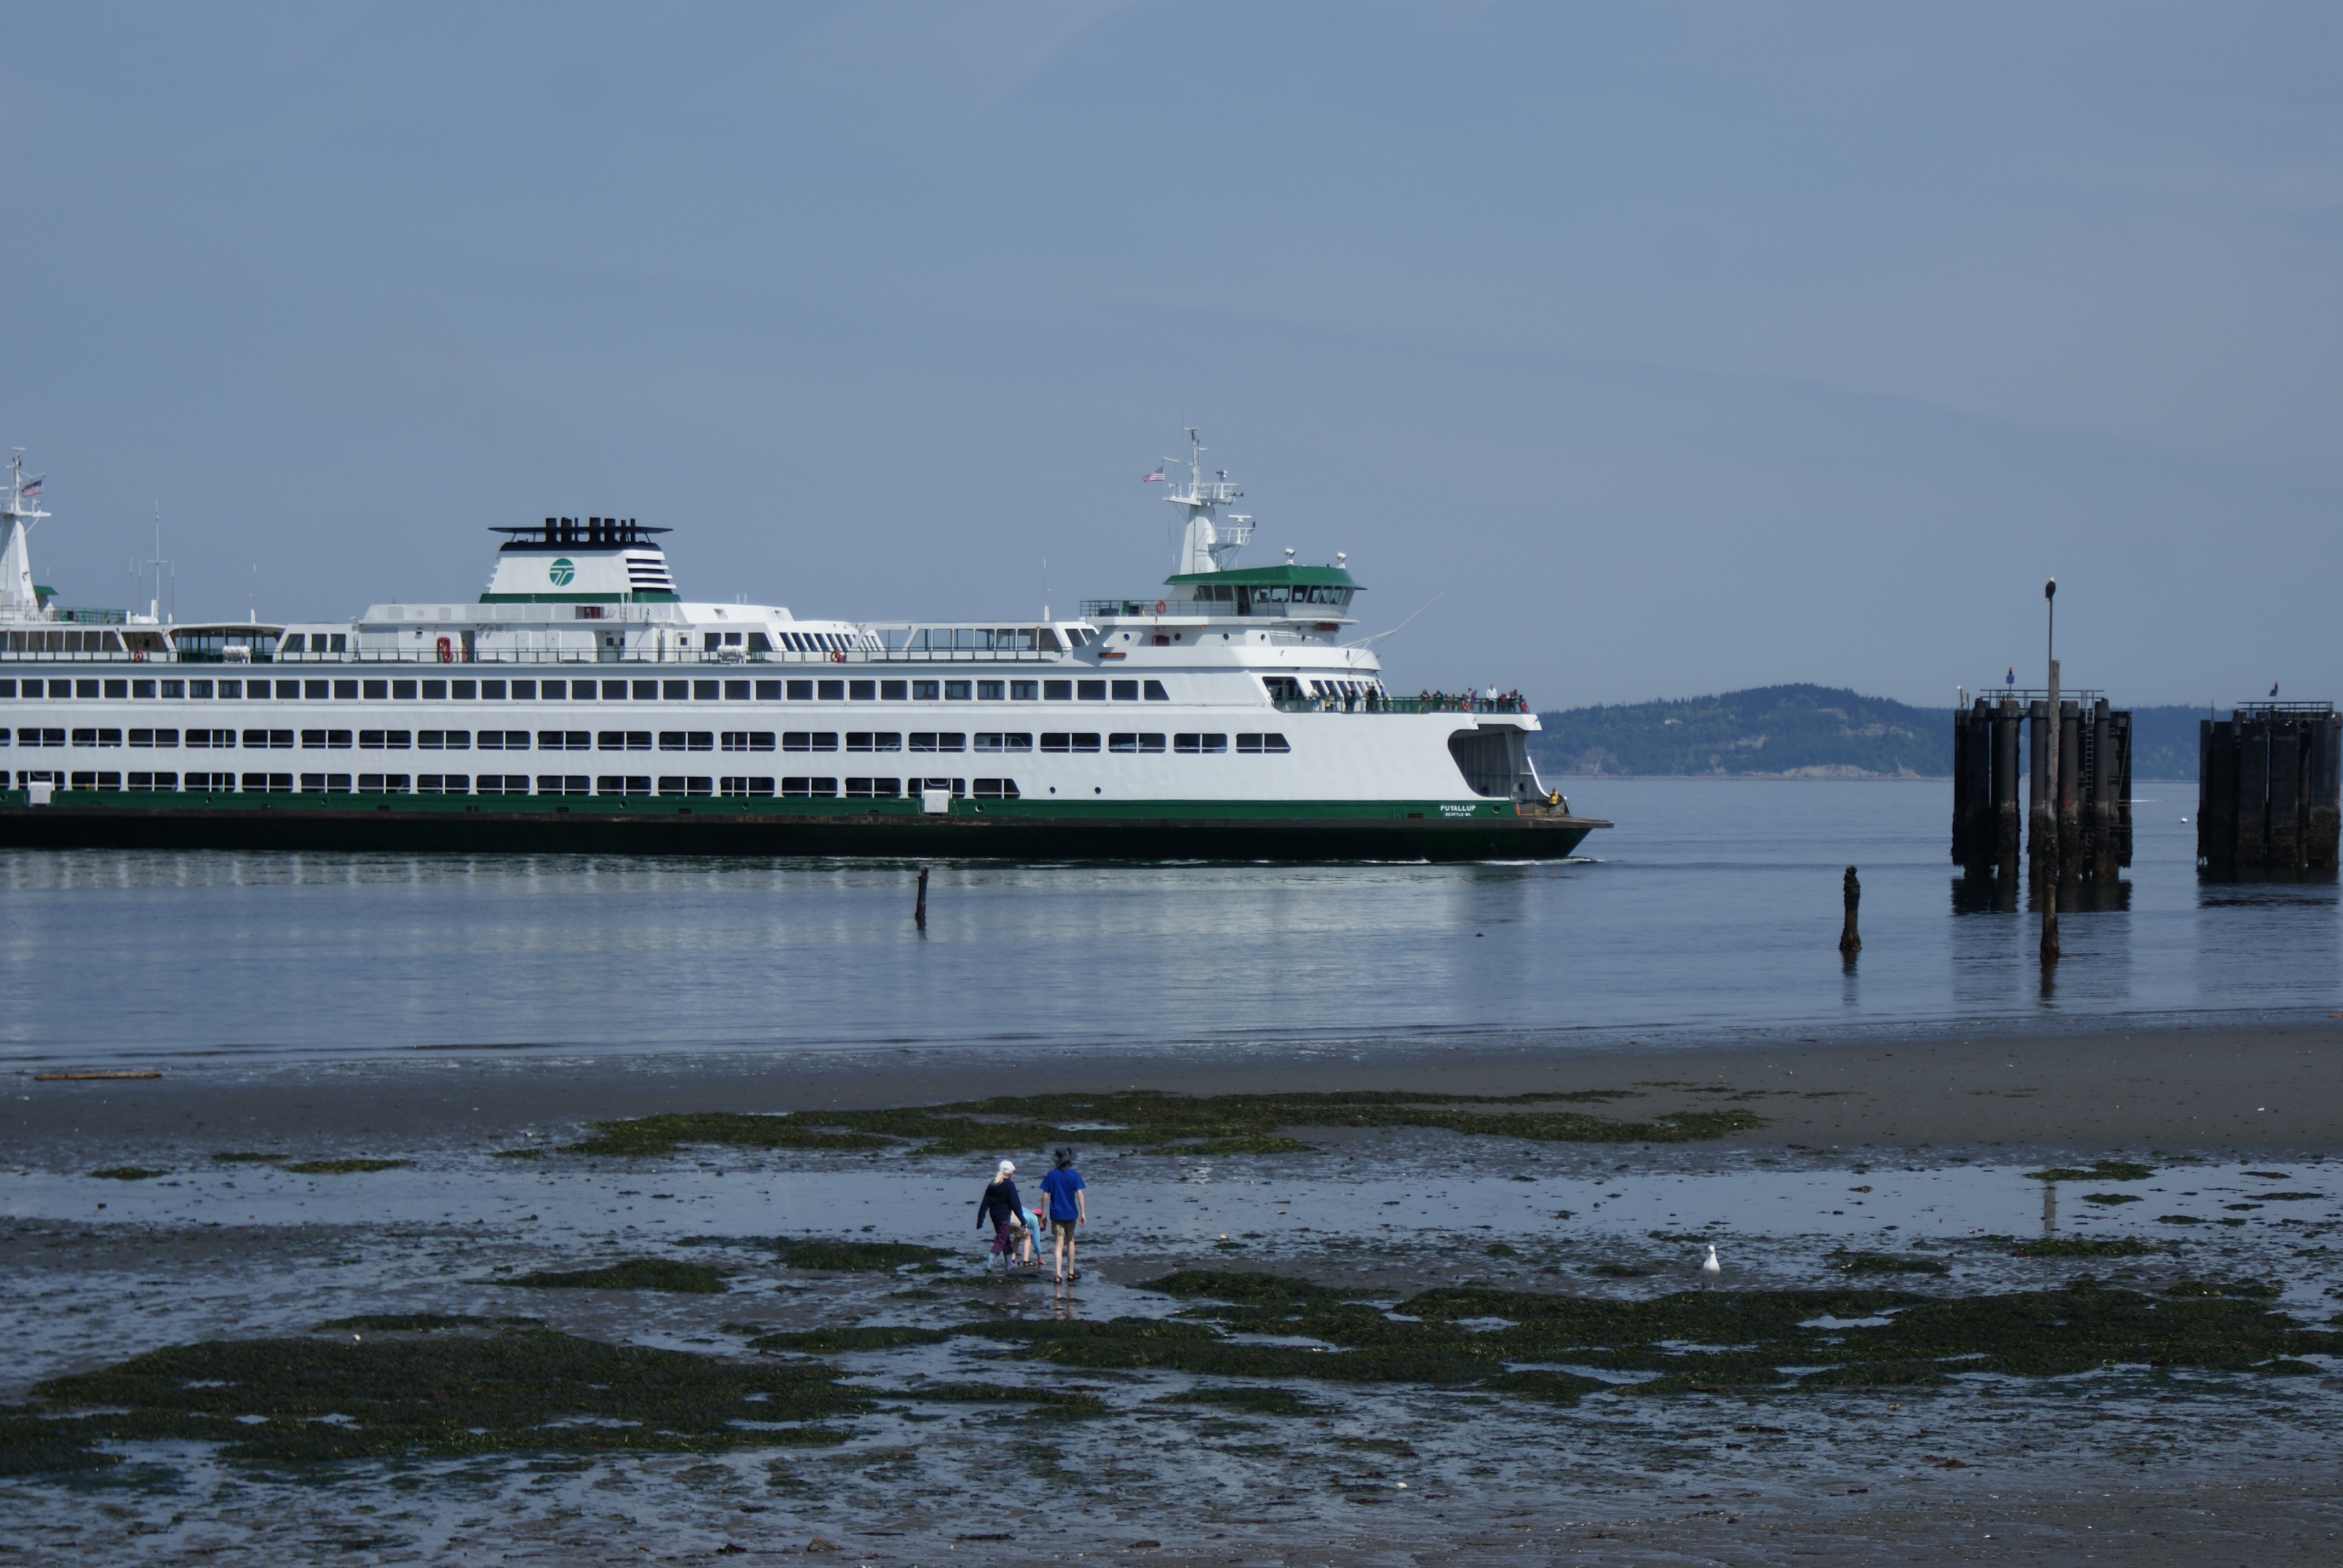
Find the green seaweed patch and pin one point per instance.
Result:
(2178, 1219)
(1622, 1270)
(2287, 1197)
(1058, 1402)
(848, 1257)
(2107, 1200)
(1254, 1399)
(869, 1337)
(313, 1400)
(633, 1274)
(1885, 1263)
(128, 1174)
(2085, 1247)
(1237, 1285)
(517, 1154)
(247, 1157)
(2098, 1170)
(32, 1445)
(342, 1167)
(421, 1323)
(1501, 1250)
(1156, 1122)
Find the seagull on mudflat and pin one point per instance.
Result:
(1710, 1268)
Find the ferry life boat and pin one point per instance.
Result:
(581, 702)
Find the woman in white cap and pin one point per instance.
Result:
(1004, 1210)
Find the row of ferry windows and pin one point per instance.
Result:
(521, 784)
(637, 739)
(605, 690)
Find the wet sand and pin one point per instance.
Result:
(2209, 1091)
(1895, 1145)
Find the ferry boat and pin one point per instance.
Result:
(582, 703)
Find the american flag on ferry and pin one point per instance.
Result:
(32, 488)
(1154, 478)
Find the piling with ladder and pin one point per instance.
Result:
(2078, 825)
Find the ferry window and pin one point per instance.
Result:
(501, 784)
(612, 784)
(564, 784)
(137, 738)
(1155, 692)
(768, 691)
(175, 689)
(989, 740)
(670, 740)
(926, 690)
(384, 783)
(947, 741)
(996, 789)
(1126, 691)
(1057, 742)
(1091, 690)
(715, 639)
(699, 740)
(154, 780)
(1057, 691)
(286, 690)
(990, 690)
(1261, 743)
(524, 691)
(554, 690)
(706, 690)
(831, 690)
(956, 690)
(109, 738)
(809, 788)
(88, 688)
(1046, 640)
(443, 784)
(1077, 637)
(892, 691)
(315, 691)
(374, 690)
(873, 789)
(433, 691)
(637, 741)
(118, 688)
(137, 688)
(735, 691)
(676, 690)
(800, 691)
(1216, 743)
(258, 737)
(862, 690)
(291, 644)
(461, 690)
(1150, 742)
(1123, 742)
(311, 739)
(227, 688)
(1025, 691)
(639, 691)
(1086, 742)
(404, 691)
(693, 786)
(804, 741)
(8, 688)
(739, 787)
(759, 643)
(341, 642)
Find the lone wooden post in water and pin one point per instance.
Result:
(920, 911)
(2049, 883)
(1849, 941)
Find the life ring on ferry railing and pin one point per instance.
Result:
(1159, 606)
(836, 656)
(447, 651)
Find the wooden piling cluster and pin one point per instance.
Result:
(2078, 825)
(2268, 781)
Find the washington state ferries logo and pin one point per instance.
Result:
(561, 571)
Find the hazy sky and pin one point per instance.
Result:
(1659, 349)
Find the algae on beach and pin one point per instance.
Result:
(1153, 1121)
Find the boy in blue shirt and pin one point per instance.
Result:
(1067, 1210)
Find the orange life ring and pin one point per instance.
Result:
(447, 651)
(836, 656)
(1159, 606)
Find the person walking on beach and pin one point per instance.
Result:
(1001, 1206)
(1067, 1210)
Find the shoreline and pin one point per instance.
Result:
(2176, 1088)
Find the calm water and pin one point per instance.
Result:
(1712, 908)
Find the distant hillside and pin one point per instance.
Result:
(1802, 731)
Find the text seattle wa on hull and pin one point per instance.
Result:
(584, 704)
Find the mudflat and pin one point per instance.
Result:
(2207, 1090)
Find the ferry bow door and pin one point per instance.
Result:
(1495, 762)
